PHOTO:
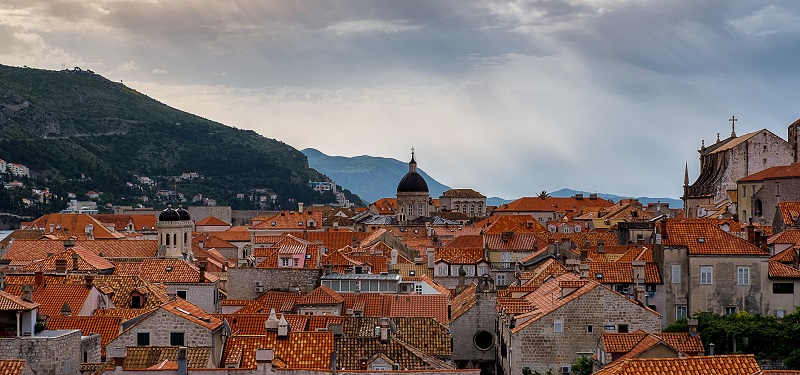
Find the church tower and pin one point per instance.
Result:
(413, 198)
(175, 234)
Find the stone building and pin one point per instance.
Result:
(759, 194)
(563, 319)
(728, 160)
(705, 268)
(413, 199)
(49, 352)
(175, 323)
(473, 327)
(466, 201)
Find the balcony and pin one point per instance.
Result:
(502, 266)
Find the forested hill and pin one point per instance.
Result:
(78, 131)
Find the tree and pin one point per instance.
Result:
(582, 366)
(544, 194)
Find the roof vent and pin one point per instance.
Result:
(168, 269)
(701, 240)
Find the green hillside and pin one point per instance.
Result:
(78, 131)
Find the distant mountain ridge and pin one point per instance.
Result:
(370, 177)
(78, 131)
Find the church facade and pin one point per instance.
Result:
(413, 198)
(731, 159)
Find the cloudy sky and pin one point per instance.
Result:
(508, 98)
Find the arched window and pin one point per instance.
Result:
(757, 208)
(175, 239)
(167, 239)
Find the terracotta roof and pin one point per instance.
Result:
(551, 204)
(53, 296)
(683, 341)
(125, 314)
(547, 269)
(425, 334)
(212, 221)
(514, 223)
(322, 295)
(706, 238)
(781, 171)
(622, 273)
(165, 357)
(331, 239)
(107, 326)
(790, 212)
(517, 241)
(31, 250)
(253, 324)
(717, 364)
(235, 234)
(625, 342)
(211, 241)
(87, 261)
(10, 302)
(165, 271)
(460, 255)
(141, 222)
(290, 220)
(300, 350)
(192, 313)
(463, 302)
(385, 206)
(466, 241)
(788, 236)
(352, 350)
(12, 366)
(66, 225)
(780, 270)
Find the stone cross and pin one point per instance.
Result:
(733, 125)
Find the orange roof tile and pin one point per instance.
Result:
(622, 273)
(10, 302)
(781, 171)
(704, 237)
(192, 313)
(31, 250)
(780, 270)
(65, 225)
(513, 223)
(322, 295)
(124, 314)
(121, 222)
(790, 212)
(212, 221)
(460, 255)
(718, 364)
(551, 204)
(107, 326)
(235, 234)
(463, 302)
(301, 350)
(53, 296)
(165, 271)
(385, 206)
(290, 220)
(788, 236)
(87, 261)
(12, 366)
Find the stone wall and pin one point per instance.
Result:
(724, 289)
(771, 193)
(159, 324)
(480, 318)
(49, 353)
(202, 295)
(241, 281)
(537, 345)
(90, 348)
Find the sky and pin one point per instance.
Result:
(505, 97)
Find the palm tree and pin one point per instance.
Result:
(543, 194)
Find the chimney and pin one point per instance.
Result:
(69, 243)
(354, 242)
(52, 227)
(564, 245)
(384, 330)
(431, 254)
(65, 310)
(271, 325)
(182, 367)
(601, 247)
(61, 265)
(264, 358)
(552, 248)
(2, 280)
(27, 292)
(300, 207)
(75, 258)
(394, 257)
(362, 363)
(584, 254)
(692, 327)
(38, 278)
(638, 271)
(89, 279)
(201, 264)
(283, 328)
(118, 359)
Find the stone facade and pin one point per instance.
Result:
(541, 348)
(687, 295)
(91, 348)
(764, 203)
(470, 328)
(202, 295)
(48, 353)
(160, 324)
(466, 201)
(242, 281)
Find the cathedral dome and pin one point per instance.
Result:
(183, 214)
(169, 214)
(412, 182)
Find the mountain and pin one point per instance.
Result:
(78, 131)
(673, 203)
(370, 177)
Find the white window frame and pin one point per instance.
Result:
(443, 270)
(285, 262)
(470, 270)
(418, 288)
(501, 279)
(743, 275)
(681, 311)
(676, 273)
(454, 270)
(482, 270)
(558, 326)
(706, 275)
